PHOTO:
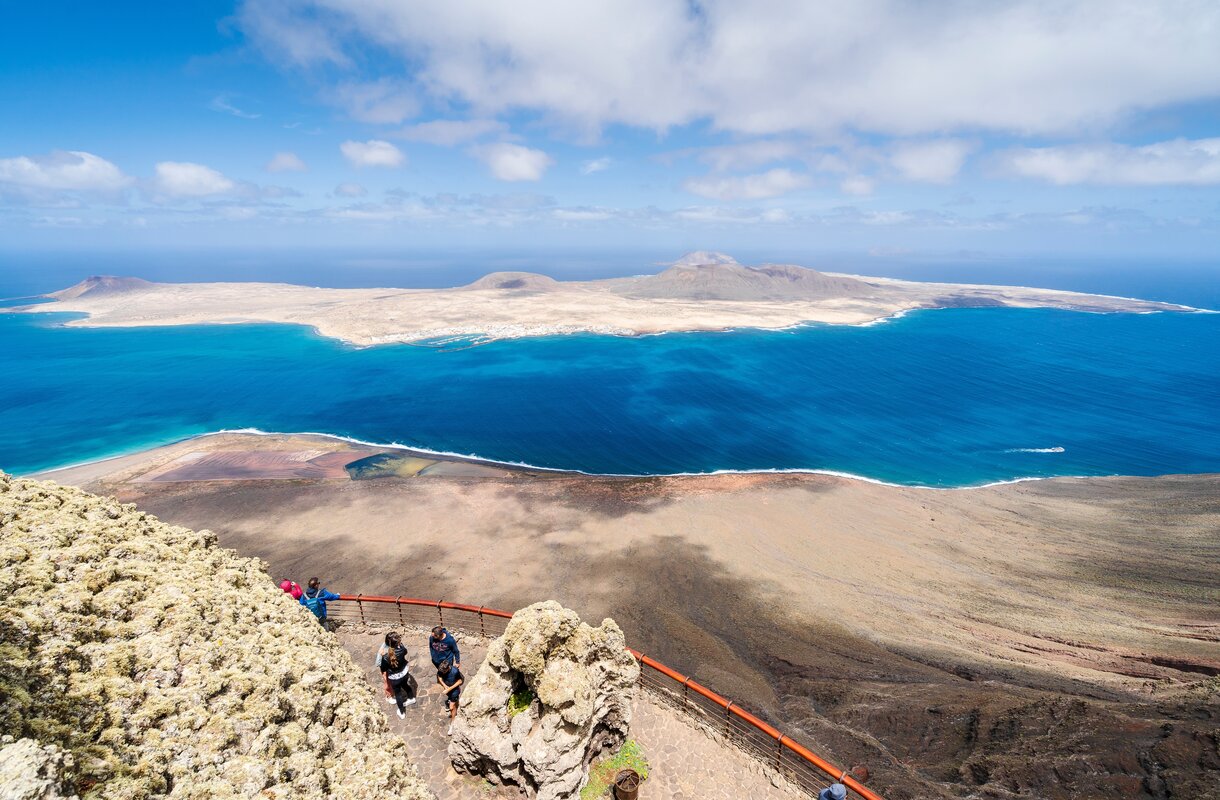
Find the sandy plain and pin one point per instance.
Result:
(1055, 638)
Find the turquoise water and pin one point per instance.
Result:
(943, 398)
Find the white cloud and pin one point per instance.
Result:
(747, 187)
(595, 165)
(513, 162)
(448, 132)
(581, 214)
(350, 190)
(221, 103)
(286, 162)
(184, 179)
(72, 170)
(749, 155)
(373, 153)
(899, 67)
(936, 161)
(1177, 162)
(380, 102)
(857, 185)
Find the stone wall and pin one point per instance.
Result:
(146, 661)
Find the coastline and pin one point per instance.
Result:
(143, 451)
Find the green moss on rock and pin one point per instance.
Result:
(163, 665)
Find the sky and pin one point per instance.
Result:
(874, 127)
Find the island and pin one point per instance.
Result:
(700, 292)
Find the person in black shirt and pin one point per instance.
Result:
(450, 679)
(397, 672)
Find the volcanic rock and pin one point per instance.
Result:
(583, 682)
(138, 660)
(33, 771)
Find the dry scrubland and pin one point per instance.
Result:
(138, 659)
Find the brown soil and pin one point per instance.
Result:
(1054, 639)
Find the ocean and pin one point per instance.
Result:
(943, 398)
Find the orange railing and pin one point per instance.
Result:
(775, 749)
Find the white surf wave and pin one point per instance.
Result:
(1035, 450)
(524, 465)
(558, 471)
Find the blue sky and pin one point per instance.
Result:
(1078, 128)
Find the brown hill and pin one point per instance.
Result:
(99, 285)
(713, 276)
(515, 281)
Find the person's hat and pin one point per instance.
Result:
(285, 585)
(838, 791)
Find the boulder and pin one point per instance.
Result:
(583, 682)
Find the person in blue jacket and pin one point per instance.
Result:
(442, 646)
(314, 598)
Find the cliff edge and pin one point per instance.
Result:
(138, 659)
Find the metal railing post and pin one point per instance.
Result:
(398, 603)
(360, 605)
(728, 714)
(482, 628)
(440, 613)
(779, 752)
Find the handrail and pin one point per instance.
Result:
(731, 709)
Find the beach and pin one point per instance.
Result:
(953, 639)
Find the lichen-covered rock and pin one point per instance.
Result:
(33, 771)
(583, 681)
(159, 664)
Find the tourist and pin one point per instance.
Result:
(397, 671)
(314, 598)
(450, 679)
(382, 649)
(291, 587)
(442, 646)
(836, 791)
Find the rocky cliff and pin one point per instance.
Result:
(138, 659)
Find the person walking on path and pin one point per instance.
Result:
(836, 791)
(397, 671)
(315, 597)
(442, 646)
(450, 679)
(382, 649)
(293, 588)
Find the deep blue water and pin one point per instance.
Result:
(944, 398)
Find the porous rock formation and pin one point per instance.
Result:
(138, 659)
(583, 682)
